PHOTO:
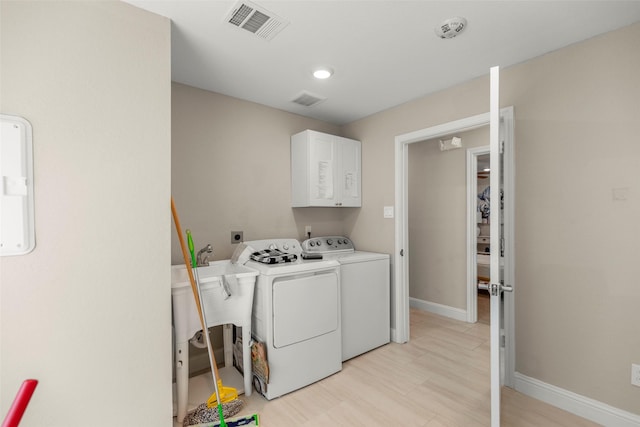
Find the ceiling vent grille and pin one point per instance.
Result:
(307, 99)
(255, 19)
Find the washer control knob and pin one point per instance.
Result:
(329, 242)
(312, 243)
(273, 246)
(318, 242)
(285, 247)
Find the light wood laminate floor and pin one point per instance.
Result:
(440, 378)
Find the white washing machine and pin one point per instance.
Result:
(365, 293)
(296, 313)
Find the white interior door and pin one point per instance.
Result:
(497, 242)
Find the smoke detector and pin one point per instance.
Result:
(449, 28)
(256, 19)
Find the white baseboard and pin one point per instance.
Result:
(585, 407)
(442, 310)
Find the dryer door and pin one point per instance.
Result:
(305, 307)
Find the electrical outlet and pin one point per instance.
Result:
(635, 374)
(307, 230)
(237, 237)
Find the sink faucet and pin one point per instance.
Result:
(203, 261)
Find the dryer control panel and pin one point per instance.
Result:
(290, 246)
(328, 244)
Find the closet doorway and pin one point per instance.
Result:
(478, 228)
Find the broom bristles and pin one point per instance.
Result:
(203, 414)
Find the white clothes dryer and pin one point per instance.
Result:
(365, 293)
(296, 313)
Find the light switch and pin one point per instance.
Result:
(388, 211)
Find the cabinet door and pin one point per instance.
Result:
(322, 169)
(325, 170)
(348, 176)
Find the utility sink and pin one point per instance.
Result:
(180, 276)
(219, 308)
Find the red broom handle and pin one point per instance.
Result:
(20, 403)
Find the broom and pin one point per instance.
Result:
(206, 412)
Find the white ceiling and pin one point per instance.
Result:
(384, 53)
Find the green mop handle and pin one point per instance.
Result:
(194, 264)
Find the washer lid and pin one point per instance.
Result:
(358, 256)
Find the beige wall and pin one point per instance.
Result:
(576, 127)
(231, 171)
(88, 312)
(437, 211)
(577, 121)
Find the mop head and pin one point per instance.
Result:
(203, 414)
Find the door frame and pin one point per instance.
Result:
(472, 203)
(400, 332)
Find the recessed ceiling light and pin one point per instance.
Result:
(322, 73)
(449, 28)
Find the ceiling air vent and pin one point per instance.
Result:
(307, 99)
(256, 19)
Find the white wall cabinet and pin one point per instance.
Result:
(325, 170)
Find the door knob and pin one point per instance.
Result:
(494, 289)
